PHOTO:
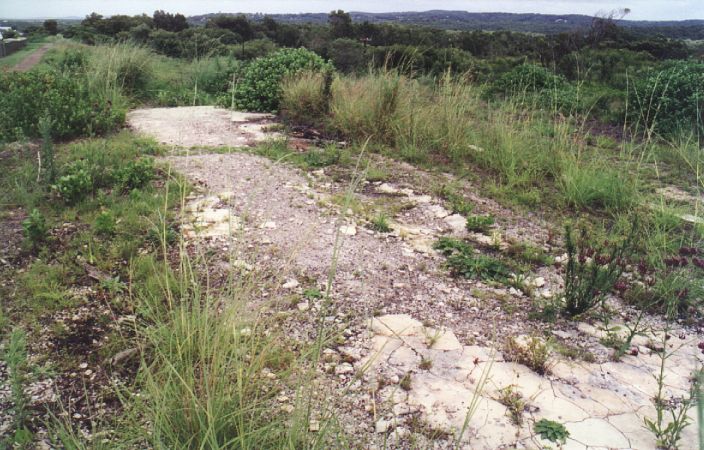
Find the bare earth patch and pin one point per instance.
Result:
(201, 125)
(422, 339)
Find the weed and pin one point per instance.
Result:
(669, 432)
(532, 352)
(405, 382)
(35, 228)
(515, 403)
(322, 158)
(592, 272)
(313, 294)
(104, 224)
(381, 223)
(464, 262)
(552, 431)
(15, 356)
(456, 202)
(528, 253)
(479, 224)
(425, 364)
(113, 285)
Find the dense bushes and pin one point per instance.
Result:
(27, 97)
(260, 87)
(670, 100)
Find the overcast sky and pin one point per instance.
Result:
(641, 9)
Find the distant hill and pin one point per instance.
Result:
(463, 20)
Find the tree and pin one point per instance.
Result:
(340, 24)
(604, 26)
(237, 24)
(169, 22)
(51, 27)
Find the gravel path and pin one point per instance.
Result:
(289, 221)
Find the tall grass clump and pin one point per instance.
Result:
(369, 107)
(306, 97)
(596, 185)
(118, 70)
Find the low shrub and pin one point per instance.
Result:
(592, 269)
(479, 224)
(105, 224)
(260, 86)
(670, 100)
(135, 174)
(35, 228)
(28, 96)
(75, 184)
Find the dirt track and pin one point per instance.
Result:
(33, 59)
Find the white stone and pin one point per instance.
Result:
(396, 325)
(386, 188)
(348, 230)
(457, 222)
(290, 284)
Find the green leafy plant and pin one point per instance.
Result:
(260, 86)
(26, 97)
(464, 262)
(135, 174)
(113, 285)
(479, 224)
(551, 431)
(671, 99)
(75, 184)
(35, 228)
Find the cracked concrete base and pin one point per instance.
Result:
(601, 405)
(202, 126)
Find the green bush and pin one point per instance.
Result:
(527, 78)
(75, 184)
(670, 100)
(260, 88)
(135, 174)
(479, 224)
(35, 228)
(26, 97)
(105, 224)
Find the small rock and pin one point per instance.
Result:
(343, 369)
(314, 426)
(383, 425)
(386, 188)
(538, 282)
(290, 284)
(348, 230)
(303, 306)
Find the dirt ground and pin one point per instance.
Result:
(33, 59)
(392, 296)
